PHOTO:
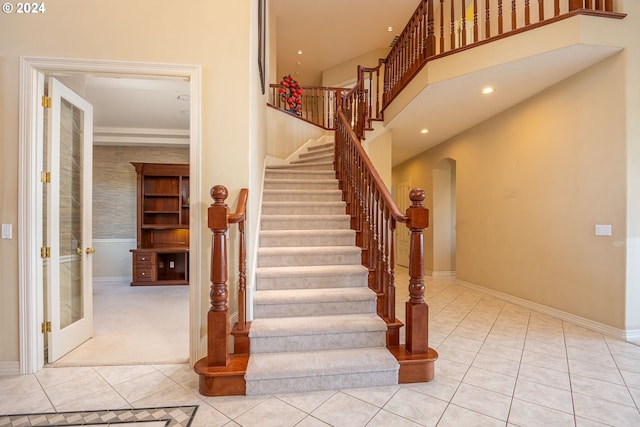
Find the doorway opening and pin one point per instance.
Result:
(32, 313)
(444, 218)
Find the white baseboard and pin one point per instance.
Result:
(558, 314)
(633, 335)
(9, 368)
(113, 279)
(441, 273)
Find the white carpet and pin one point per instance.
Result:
(135, 325)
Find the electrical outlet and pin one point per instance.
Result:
(603, 229)
(172, 264)
(7, 231)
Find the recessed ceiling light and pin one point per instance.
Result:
(389, 28)
(487, 90)
(300, 52)
(424, 131)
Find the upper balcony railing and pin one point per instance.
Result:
(440, 27)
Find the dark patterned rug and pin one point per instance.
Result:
(174, 416)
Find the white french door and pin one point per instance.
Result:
(67, 191)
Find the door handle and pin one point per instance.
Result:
(89, 251)
(79, 251)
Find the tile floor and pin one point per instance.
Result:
(500, 365)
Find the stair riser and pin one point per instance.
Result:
(293, 343)
(318, 166)
(264, 311)
(310, 196)
(300, 185)
(301, 223)
(301, 259)
(303, 209)
(306, 240)
(322, 382)
(310, 282)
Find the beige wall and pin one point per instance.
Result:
(218, 35)
(531, 184)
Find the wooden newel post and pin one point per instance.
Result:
(417, 322)
(218, 316)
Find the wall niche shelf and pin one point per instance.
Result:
(161, 256)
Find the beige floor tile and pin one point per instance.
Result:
(377, 396)
(174, 394)
(545, 376)
(455, 354)
(307, 402)
(463, 343)
(95, 401)
(22, 385)
(143, 386)
(627, 364)
(441, 387)
(77, 387)
(605, 412)
(416, 407)
(234, 406)
(623, 348)
(545, 360)
(451, 369)
(311, 421)
(544, 395)
(25, 403)
(503, 352)
(493, 381)
(480, 400)
(271, 413)
(206, 416)
(601, 390)
(590, 370)
(585, 422)
(456, 416)
(386, 419)
(119, 374)
(342, 409)
(496, 364)
(49, 377)
(527, 414)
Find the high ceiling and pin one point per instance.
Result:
(330, 32)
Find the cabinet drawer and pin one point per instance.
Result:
(144, 258)
(143, 273)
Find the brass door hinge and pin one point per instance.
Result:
(45, 327)
(45, 252)
(45, 177)
(46, 101)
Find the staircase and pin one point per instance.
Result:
(315, 325)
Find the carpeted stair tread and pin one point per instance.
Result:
(307, 184)
(311, 296)
(308, 255)
(288, 238)
(301, 173)
(312, 276)
(319, 363)
(305, 222)
(303, 207)
(301, 195)
(314, 325)
(321, 165)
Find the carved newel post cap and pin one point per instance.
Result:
(417, 196)
(219, 194)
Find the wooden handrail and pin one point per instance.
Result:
(218, 330)
(374, 216)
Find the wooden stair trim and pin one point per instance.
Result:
(414, 368)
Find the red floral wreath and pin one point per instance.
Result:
(291, 94)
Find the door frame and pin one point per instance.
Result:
(30, 286)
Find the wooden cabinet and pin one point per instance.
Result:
(161, 256)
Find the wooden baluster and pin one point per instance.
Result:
(430, 48)
(242, 279)
(500, 22)
(588, 4)
(417, 311)
(218, 316)
(527, 13)
(513, 14)
(556, 6)
(475, 21)
(463, 25)
(392, 277)
(541, 10)
(453, 26)
(442, 26)
(608, 5)
(487, 19)
(599, 5)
